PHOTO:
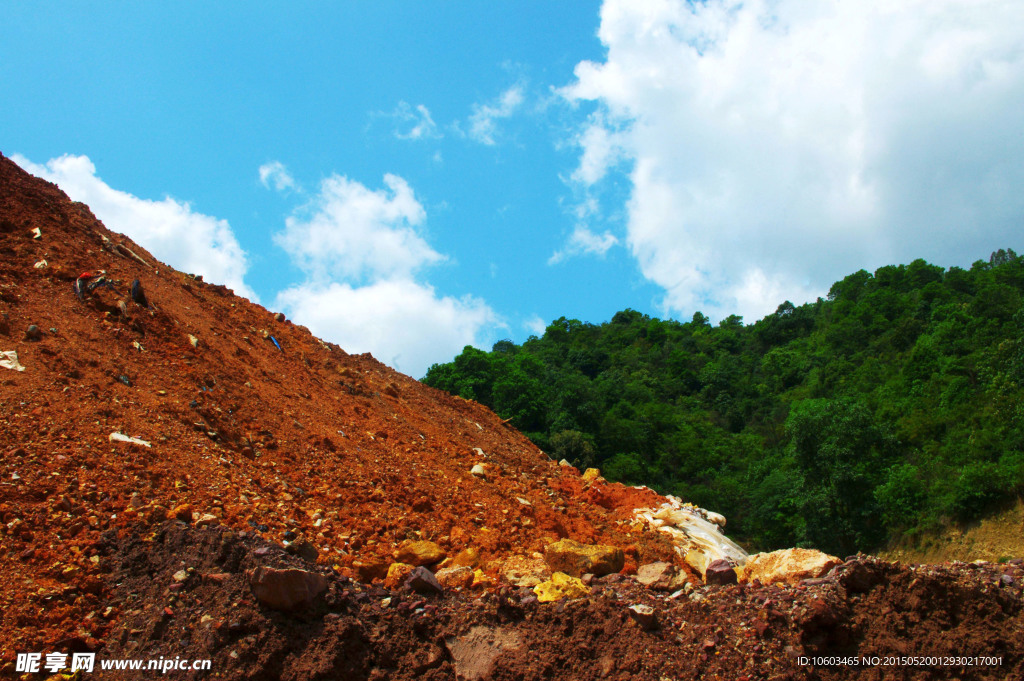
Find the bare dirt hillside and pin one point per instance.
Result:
(157, 453)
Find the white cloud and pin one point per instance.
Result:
(584, 242)
(774, 147)
(483, 122)
(414, 123)
(535, 325)
(169, 229)
(361, 253)
(404, 324)
(354, 233)
(274, 173)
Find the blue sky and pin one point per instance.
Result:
(406, 178)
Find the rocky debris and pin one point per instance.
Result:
(645, 616)
(468, 557)
(695, 533)
(591, 474)
(286, 589)
(421, 552)
(422, 581)
(455, 577)
(661, 576)
(787, 565)
(576, 559)
(304, 549)
(560, 586)
(720, 572)
(33, 333)
(478, 471)
(207, 520)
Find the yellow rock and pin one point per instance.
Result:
(591, 474)
(480, 579)
(788, 565)
(468, 558)
(397, 574)
(419, 553)
(577, 559)
(560, 586)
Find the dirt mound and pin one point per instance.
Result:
(190, 428)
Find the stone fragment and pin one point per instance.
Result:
(576, 559)
(469, 557)
(304, 550)
(789, 566)
(645, 616)
(475, 652)
(560, 586)
(397, 574)
(208, 520)
(183, 512)
(591, 474)
(181, 576)
(422, 581)
(417, 553)
(279, 317)
(480, 579)
(478, 471)
(720, 572)
(32, 332)
(367, 571)
(660, 576)
(455, 577)
(286, 589)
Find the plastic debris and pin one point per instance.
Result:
(276, 344)
(9, 360)
(41, 264)
(121, 437)
(193, 340)
(37, 233)
(138, 346)
(138, 295)
(87, 282)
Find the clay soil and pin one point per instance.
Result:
(309, 442)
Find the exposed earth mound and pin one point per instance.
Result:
(186, 475)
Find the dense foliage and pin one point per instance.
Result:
(892, 406)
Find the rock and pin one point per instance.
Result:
(577, 559)
(422, 581)
(716, 518)
(480, 579)
(475, 652)
(304, 550)
(469, 557)
(1006, 580)
(32, 332)
(135, 501)
(181, 576)
(286, 589)
(591, 474)
(208, 520)
(455, 577)
(183, 512)
(660, 576)
(367, 571)
(789, 566)
(278, 316)
(478, 471)
(397, 574)
(720, 572)
(560, 586)
(417, 553)
(645, 616)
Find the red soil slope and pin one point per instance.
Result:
(355, 458)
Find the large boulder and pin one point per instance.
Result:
(286, 589)
(577, 559)
(418, 553)
(787, 565)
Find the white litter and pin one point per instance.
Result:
(40, 265)
(121, 437)
(9, 360)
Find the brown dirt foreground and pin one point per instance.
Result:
(310, 443)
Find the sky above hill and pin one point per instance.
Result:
(407, 178)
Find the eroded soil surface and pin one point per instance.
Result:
(259, 433)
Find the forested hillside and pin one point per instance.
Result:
(891, 407)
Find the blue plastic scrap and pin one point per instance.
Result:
(276, 344)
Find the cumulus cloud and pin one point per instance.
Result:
(483, 122)
(535, 325)
(414, 123)
(275, 175)
(354, 233)
(584, 241)
(169, 229)
(405, 324)
(773, 147)
(363, 257)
